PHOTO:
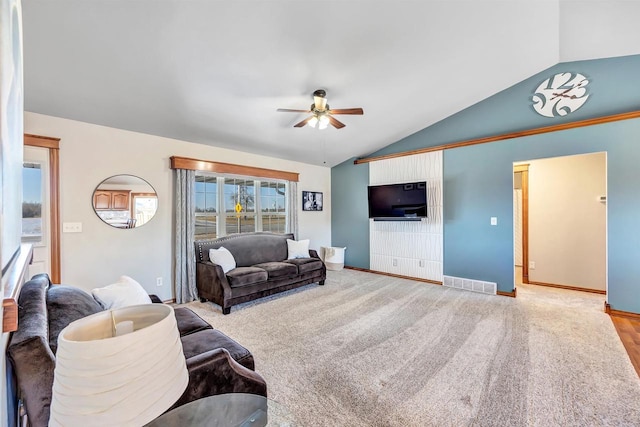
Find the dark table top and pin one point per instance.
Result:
(224, 410)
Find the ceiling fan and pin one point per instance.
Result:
(321, 114)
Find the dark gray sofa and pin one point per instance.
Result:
(216, 363)
(262, 269)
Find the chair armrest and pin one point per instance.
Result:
(215, 372)
(313, 253)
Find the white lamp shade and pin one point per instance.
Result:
(126, 380)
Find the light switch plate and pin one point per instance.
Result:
(494, 220)
(72, 227)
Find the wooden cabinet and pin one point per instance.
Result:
(102, 200)
(120, 200)
(115, 200)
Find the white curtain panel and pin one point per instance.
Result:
(185, 274)
(292, 226)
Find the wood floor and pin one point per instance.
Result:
(629, 331)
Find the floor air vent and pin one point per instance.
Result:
(470, 285)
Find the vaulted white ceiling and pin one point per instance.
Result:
(214, 72)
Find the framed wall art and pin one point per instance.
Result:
(311, 201)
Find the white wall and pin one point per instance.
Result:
(567, 222)
(416, 247)
(100, 254)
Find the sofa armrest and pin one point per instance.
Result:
(215, 372)
(34, 364)
(212, 283)
(155, 299)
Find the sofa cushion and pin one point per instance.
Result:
(298, 249)
(203, 341)
(243, 276)
(306, 264)
(123, 293)
(66, 304)
(247, 248)
(189, 322)
(277, 270)
(223, 258)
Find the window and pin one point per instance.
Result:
(206, 207)
(144, 206)
(240, 205)
(32, 203)
(273, 206)
(228, 205)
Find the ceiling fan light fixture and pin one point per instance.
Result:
(320, 103)
(321, 114)
(323, 121)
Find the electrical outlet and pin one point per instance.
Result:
(395, 262)
(159, 281)
(532, 265)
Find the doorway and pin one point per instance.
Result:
(40, 207)
(35, 208)
(560, 222)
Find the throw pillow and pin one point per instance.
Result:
(223, 258)
(298, 249)
(123, 293)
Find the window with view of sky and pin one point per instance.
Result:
(247, 205)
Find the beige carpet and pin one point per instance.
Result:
(370, 350)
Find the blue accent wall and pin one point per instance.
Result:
(614, 87)
(478, 179)
(350, 212)
(478, 185)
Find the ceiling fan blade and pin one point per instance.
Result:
(357, 111)
(302, 123)
(286, 110)
(336, 123)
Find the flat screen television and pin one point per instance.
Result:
(398, 201)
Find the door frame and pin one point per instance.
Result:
(524, 170)
(53, 146)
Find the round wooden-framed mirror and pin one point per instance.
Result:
(125, 201)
